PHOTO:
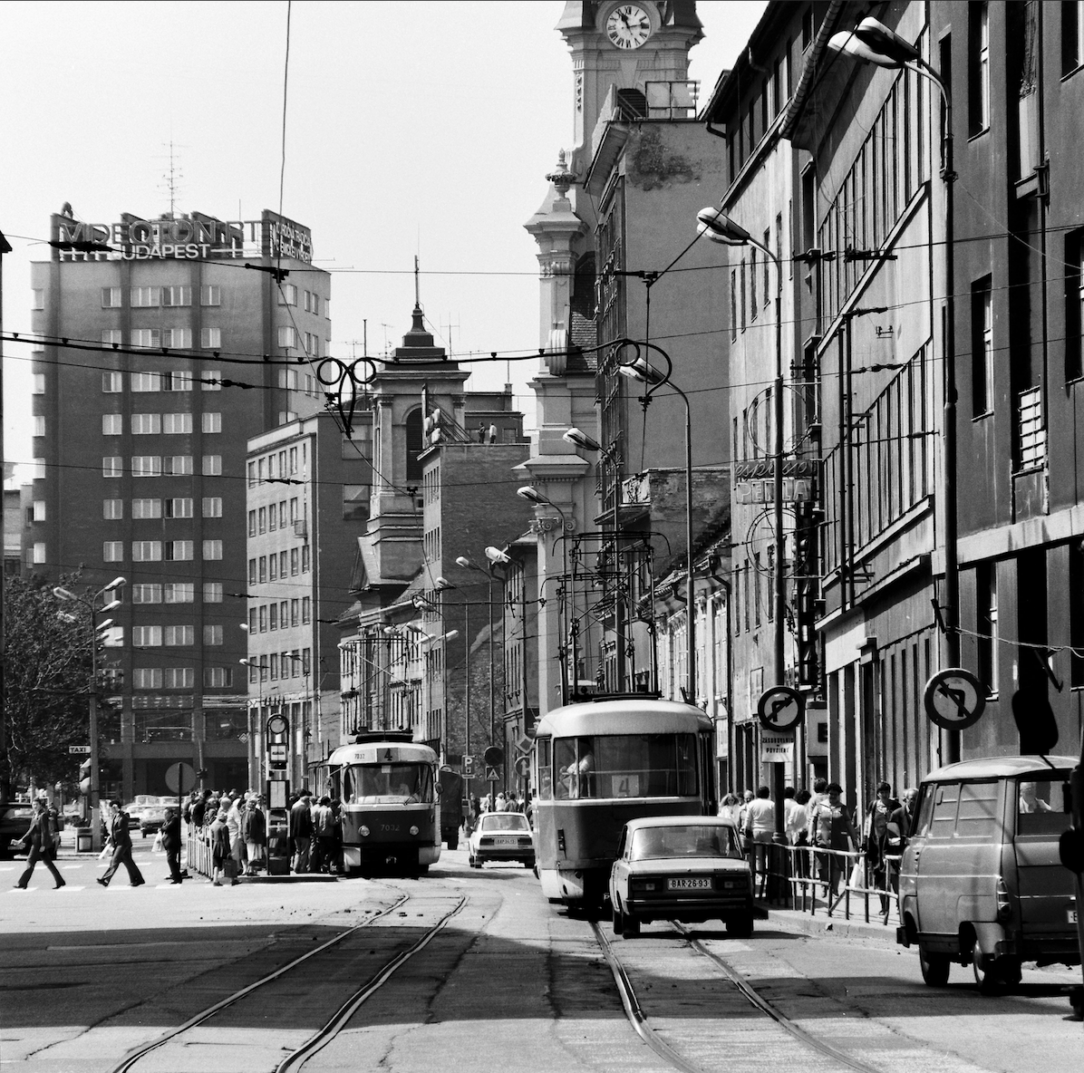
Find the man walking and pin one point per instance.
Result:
(120, 839)
(171, 843)
(42, 848)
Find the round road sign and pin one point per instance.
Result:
(954, 699)
(181, 777)
(781, 708)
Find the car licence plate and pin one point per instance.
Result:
(689, 884)
(505, 840)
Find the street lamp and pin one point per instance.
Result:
(873, 42)
(90, 603)
(639, 368)
(716, 226)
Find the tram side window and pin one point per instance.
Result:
(616, 766)
(574, 759)
(545, 769)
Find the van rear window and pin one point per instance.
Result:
(1042, 807)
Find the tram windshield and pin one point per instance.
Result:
(385, 784)
(625, 765)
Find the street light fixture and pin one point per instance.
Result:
(90, 603)
(873, 42)
(579, 438)
(639, 368)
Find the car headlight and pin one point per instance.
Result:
(363, 831)
(413, 830)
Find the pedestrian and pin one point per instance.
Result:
(337, 865)
(798, 833)
(221, 857)
(743, 809)
(899, 830)
(301, 832)
(831, 828)
(760, 828)
(254, 834)
(39, 840)
(323, 829)
(878, 812)
(199, 808)
(233, 822)
(171, 843)
(481, 432)
(120, 838)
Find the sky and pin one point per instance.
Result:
(411, 129)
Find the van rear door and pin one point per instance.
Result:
(1046, 888)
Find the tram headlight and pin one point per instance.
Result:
(363, 831)
(413, 830)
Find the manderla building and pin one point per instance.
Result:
(151, 378)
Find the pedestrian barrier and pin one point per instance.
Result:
(810, 868)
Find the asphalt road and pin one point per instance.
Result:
(509, 983)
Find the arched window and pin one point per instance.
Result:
(414, 445)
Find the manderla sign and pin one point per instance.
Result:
(191, 237)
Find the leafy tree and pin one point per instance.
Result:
(47, 664)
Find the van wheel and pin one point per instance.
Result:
(935, 967)
(987, 972)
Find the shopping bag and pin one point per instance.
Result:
(158, 847)
(858, 877)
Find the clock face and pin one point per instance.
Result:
(628, 26)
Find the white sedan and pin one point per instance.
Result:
(501, 836)
(688, 868)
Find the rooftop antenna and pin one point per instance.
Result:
(448, 326)
(172, 179)
(417, 284)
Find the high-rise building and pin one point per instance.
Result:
(166, 344)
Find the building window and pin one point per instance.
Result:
(273, 617)
(177, 465)
(212, 422)
(176, 381)
(210, 295)
(306, 610)
(1074, 305)
(177, 338)
(111, 298)
(982, 348)
(179, 636)
(263, 618)
(176, 296)
(147, 636)
(263, 569)
(1072, 36)
(211, 380)
(38, 425)
(146, 424)
(287, 337)
(986, 585)
(113, 551)
(179, 592)
(112, 466)
(212, 592)
(304, 558)
(212, 465)
(179, 678)
(112, 383)
(212, 506)
(252, 571)
(176, 424)
(287, 379)
(272, 567)
(146, 508)
(142, 297)
(146, 466)
(978, 67)
(287, 294)
(146, 594)
(146, 338)
(112, 509)
(179, 551)
(294, 561)
(286, 416)
(217, 677)
(147, 677)
(38, 383)
(210, 338)
(112, 425)
(212, 549)
(146, 382)
(179, 508)
(294, 611)
(146, 551)
(113, 337)
(38, 552)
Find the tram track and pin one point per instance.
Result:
(344, 1011)
(674, 1051)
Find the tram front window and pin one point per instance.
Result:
(385, 784)
(637, 765)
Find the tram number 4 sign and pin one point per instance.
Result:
(781, 708)
(954, 699)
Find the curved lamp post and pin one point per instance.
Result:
(469, 564)
(639, 368)
(873, 42)
(91, 604)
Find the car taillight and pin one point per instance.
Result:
(1004, 906)
(644, 886)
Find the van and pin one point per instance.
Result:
(981, 881)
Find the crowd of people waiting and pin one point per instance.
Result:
(818, 819)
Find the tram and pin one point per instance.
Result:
(387, 784)
(598, 764)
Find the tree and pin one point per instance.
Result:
(47, 663)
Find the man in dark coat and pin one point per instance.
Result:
(42, 848)
(120, 839)
(171, 843)
(301, 832)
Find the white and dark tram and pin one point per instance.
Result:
(387, 784)
(599, 764)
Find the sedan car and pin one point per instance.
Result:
(153, 816)
(501, 836)
(687, 868)
(15, 820)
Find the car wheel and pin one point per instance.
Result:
(935, 967)
(741, 927)
(630, 928)
(987, 972)
(1009, 971)
(618, 919)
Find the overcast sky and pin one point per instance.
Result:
(411, 128)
